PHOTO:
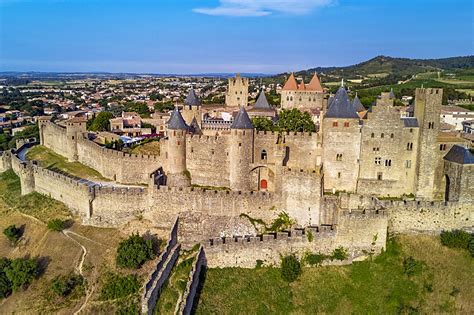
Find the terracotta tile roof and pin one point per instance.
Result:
(314, 84)
(291, 84)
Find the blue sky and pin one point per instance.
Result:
(196, 36)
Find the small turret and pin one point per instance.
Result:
(241, 151)
(192, 108)
(177, 174)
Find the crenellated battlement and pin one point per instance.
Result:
(114, 153)
(205, 139)
(300, 171)
(294, 235)
(120, 190)
(211, 192)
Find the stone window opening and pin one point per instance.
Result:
(212, 151)
(263, 155)
(382, 135)
(338, 157)
(372, 135)
(442, 147)
(409, 146)
(391, 135)
(388, 162)
(376, 149)
(378, 160)
(346, 124)
(408, 163)
(338, 174)
(379, 176)
(334, 124)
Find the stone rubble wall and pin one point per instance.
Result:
(160, 274)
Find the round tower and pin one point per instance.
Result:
(75, 128)
(178, 175)
(241, 151)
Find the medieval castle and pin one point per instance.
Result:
(361, 173)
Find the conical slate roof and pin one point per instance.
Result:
(459, 154)
(192, 99)
(357, 104)
(242, 120)
(341, 107)
(330, 100)
(291, 84)
(314, 84)
(262, 102)
(392, 95)
(176, 121)
(194, 127)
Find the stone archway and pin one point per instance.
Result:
(263, 178)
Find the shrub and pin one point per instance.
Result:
(64, 285)
(21, 271)
(134, 251)
(411, 266)
(314, 259)
(339, 253)
(117, 286)
(56, 225)
(12, 233)
(290, 268)
(455, 239)
(310, 236)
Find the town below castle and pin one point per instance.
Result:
(216, 179)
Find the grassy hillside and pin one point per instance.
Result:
(59, 254)
(400, 67)
(438, 281)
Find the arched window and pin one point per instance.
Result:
(263, 155)
(291, 98)
(391, 135)
(338, 157)
(372, 135)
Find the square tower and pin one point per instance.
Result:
(427, 111)
(237, 92)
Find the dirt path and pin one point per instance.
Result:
(79, 267)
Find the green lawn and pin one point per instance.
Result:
(49, 159)
(441, 283)
(34, 204)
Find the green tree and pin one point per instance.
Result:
(290, 268)
(12, 233)
(134, 251)
(455, 239)
(101, 122)
(65, 284)
(117, 286)
(21, 272)
(295, 120)
(263, 124)
(163, 107)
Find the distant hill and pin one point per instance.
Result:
(397, 67)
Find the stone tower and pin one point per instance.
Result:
(427, 111)
(177, 173)
(42, 121)
(341, 144)
(192, 108)
(75, 128)
(241, 151)
(237, 92)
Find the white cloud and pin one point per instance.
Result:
(263, 7)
